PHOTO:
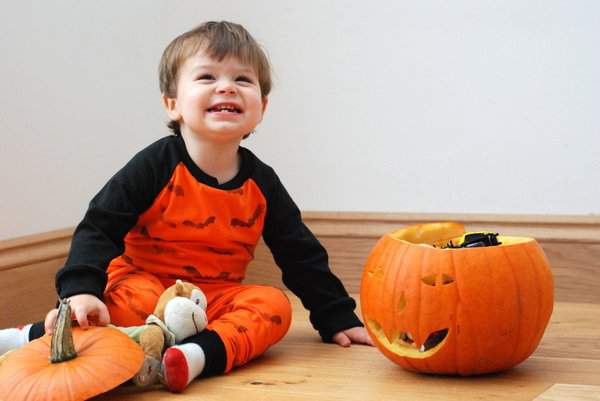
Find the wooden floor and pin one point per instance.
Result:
(566, 366)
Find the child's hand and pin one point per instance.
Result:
(357, 335)
(86, 309)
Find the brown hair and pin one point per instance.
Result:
(220, 40)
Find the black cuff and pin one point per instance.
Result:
(37, 330)
(348, 322)
(334, 317)
(80, 282)
(215, 355)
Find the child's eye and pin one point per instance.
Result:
(244, 78)
(205, 77)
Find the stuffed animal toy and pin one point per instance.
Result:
(179, 313)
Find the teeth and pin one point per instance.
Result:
(225, 108)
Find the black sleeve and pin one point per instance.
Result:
(304, 265)
(111, 214)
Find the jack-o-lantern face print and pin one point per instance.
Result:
(455, 311)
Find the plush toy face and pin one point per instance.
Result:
(182, 307)
(184, 318)
(457, 311)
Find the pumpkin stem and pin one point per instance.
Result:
(61, 346)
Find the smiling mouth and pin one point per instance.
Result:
(402, 343)
(224, 109)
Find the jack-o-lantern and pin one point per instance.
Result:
(437, 300)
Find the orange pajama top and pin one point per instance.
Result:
(162, 214)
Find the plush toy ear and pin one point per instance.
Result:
(165, 297)
(179, 289)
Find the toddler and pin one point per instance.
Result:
(193, 206)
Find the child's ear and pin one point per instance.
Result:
(170, 105)
(265, 101)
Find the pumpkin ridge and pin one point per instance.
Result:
(534, 339)
(505, 293)
(478, 345)
(482, 326)
(68, 371)
(380, 284)
(397, 258)
(20, 376)
(397, 278)
(523, 354)
(457, 305)
(547, 281)
(403, 275)
(92, 371)
(467, 328)
(519, 306)
(16, 388)
(424, 262)
(55, 377)
(414, 365)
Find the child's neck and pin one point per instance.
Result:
(219, 160)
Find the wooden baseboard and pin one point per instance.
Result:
(547, 228)
(572, 244)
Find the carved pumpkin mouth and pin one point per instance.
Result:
(402, 344)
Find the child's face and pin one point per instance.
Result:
(217, 100)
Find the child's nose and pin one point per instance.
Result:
(225, 86)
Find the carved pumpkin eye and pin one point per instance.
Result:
(447, 279)
(431, 279)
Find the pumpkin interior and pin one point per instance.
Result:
(401, 343)
(439, 235)
(434, 234)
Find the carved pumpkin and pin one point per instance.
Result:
(69, 367)
(465, 311)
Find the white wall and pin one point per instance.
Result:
(429, 106)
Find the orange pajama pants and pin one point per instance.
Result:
(247, 318)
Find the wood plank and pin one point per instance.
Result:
(570, 392)
(34, 248)
(573, 332)
(303, 368)
(28, 292)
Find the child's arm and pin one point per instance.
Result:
(86, 308)
(305, 267)
(111, 214)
